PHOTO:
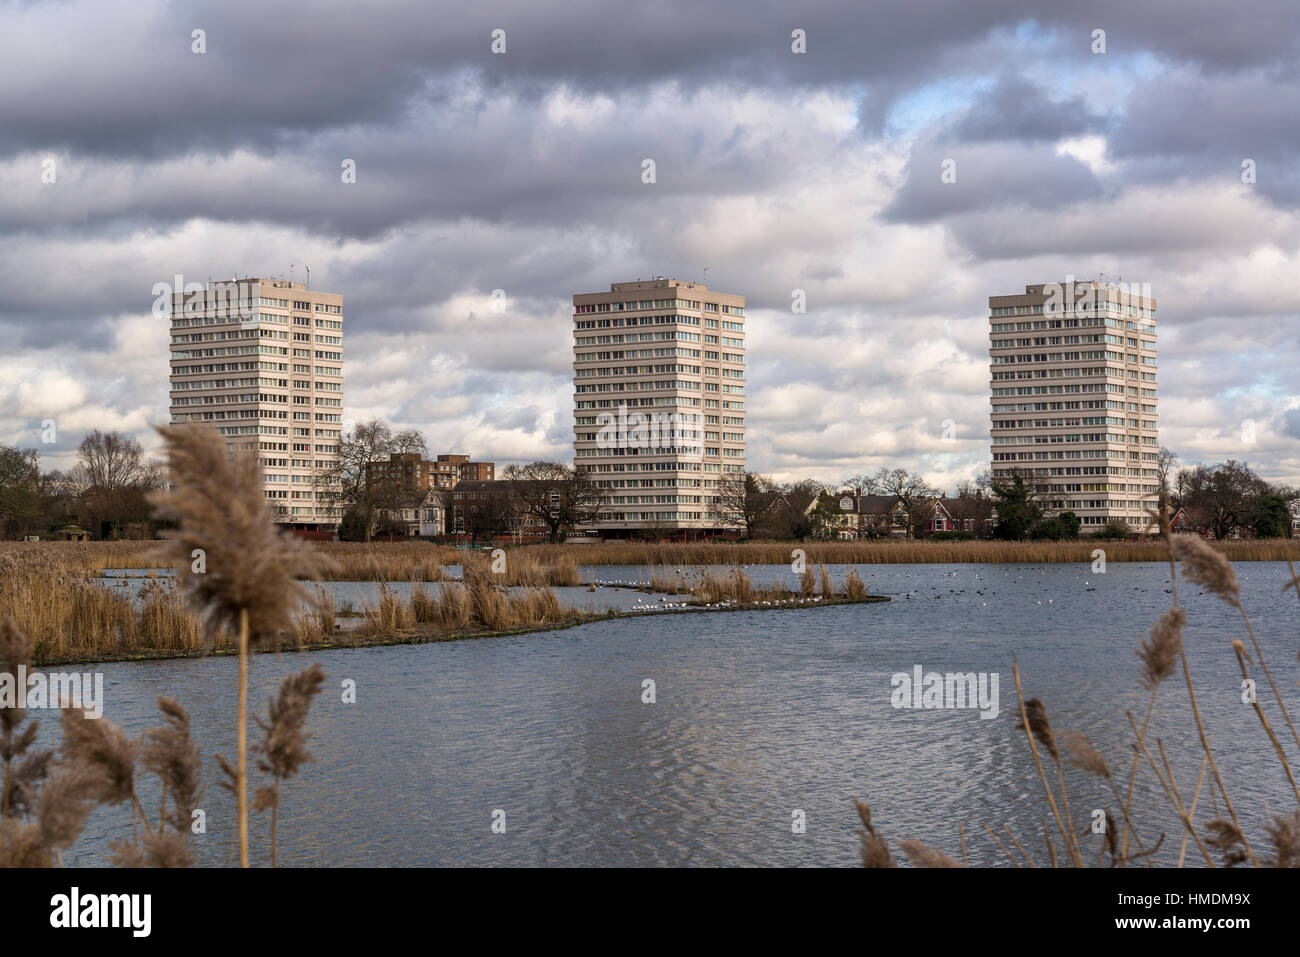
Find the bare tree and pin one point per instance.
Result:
(117, 477)
(1225, 494)
(862, 483)
(492, 512)
(1166, 464)
(911, 489)
(354, 482)
(410, 441)
(746, 500)
(111, 461)
(560, 496)
(970, 505)
(791, 518)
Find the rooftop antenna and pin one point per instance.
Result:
(290, 272)
(308, 268)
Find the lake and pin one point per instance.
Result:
(757, 715)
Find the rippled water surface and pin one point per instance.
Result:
(758, 714)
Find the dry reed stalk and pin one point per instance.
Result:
(232, 564)
(1173, 799)
(1000, 845)
(1240, 649)
(1209, 569)
(1019, 846)
(283, 749)
(1030, 734)
(853, 586)
(241, 735)
(1051, 848)
(1202, 563)
(888, 552)
(875, 849)
(1191, 811)
(807, 583)
(1082, 755)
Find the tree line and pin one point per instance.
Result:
(106, 493)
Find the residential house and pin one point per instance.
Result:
(417, 512)
(866, 516)
(939, 519)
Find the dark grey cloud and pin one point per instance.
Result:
(776, 171)
(123, 82)
(1029, 178)
(1017, 109)
(1291, 423)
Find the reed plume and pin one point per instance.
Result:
(1226, 838)
(1207, 567)
(231, 562)
(169, 752)
(1082, 755)
(1036, 715)
(875, 849)
(244, 565)
(283, 749)
(1159, 652)
(923, 855)
(1284, 832)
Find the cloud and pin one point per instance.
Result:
(776, 172)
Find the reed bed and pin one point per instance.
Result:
(463, 608)
(713, 587)
(891, 552)
(558, 566)
(521, 566)
(1215, 837)
(68, 616)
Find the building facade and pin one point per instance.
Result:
(659, 404)
(412, 470)
(1073, 378)
(261, 360)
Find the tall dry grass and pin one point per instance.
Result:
(1218, 837)
(888, 552)
(247, 579)
(460, 608)
(49, 793)
(714, 586)
(68, 616)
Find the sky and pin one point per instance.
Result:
(1164, 150)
